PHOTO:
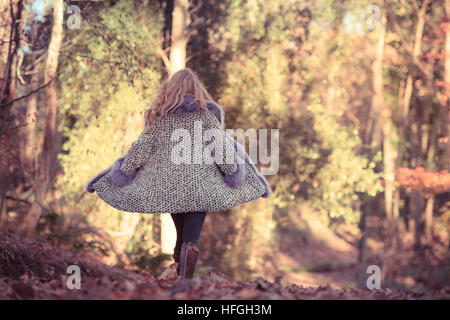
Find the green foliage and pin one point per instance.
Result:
(338, 184)
(277, 77)
(319, 159)
(108, 78)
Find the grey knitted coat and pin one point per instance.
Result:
(148, 180)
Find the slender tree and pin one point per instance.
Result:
(10, 16)
(408, 87)
(42, 179)
(180, 36)
(179, 40)
(446, 109)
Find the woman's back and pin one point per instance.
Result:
(173, 170)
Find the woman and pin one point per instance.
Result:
(182, 163)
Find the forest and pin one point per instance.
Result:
(357, 90)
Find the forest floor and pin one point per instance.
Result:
(321, 259)
(31, 269)
(314, 255)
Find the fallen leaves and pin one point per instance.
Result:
(34, 270)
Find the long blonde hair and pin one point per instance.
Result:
(170, 95)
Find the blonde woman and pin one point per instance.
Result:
(183, 163)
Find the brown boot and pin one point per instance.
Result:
(188, 259)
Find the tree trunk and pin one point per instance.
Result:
(388, 128)
(362, 248)
(168, 234)
(43, 178)
(415, 207)
(429, 219)
(10, 15)
(31, 136)
(179, 40)
(180, 21)
(389, 144)
(3, 210)
(430, 166)
(446, 108)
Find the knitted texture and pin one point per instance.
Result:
(147, 180)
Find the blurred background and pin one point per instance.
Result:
(359, 90)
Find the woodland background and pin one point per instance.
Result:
(359, 89)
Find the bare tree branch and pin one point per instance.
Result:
(26, 95)
(159, 50)
(196, 8)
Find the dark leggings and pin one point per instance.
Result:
(188, 227)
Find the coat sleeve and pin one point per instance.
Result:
(139, 152)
